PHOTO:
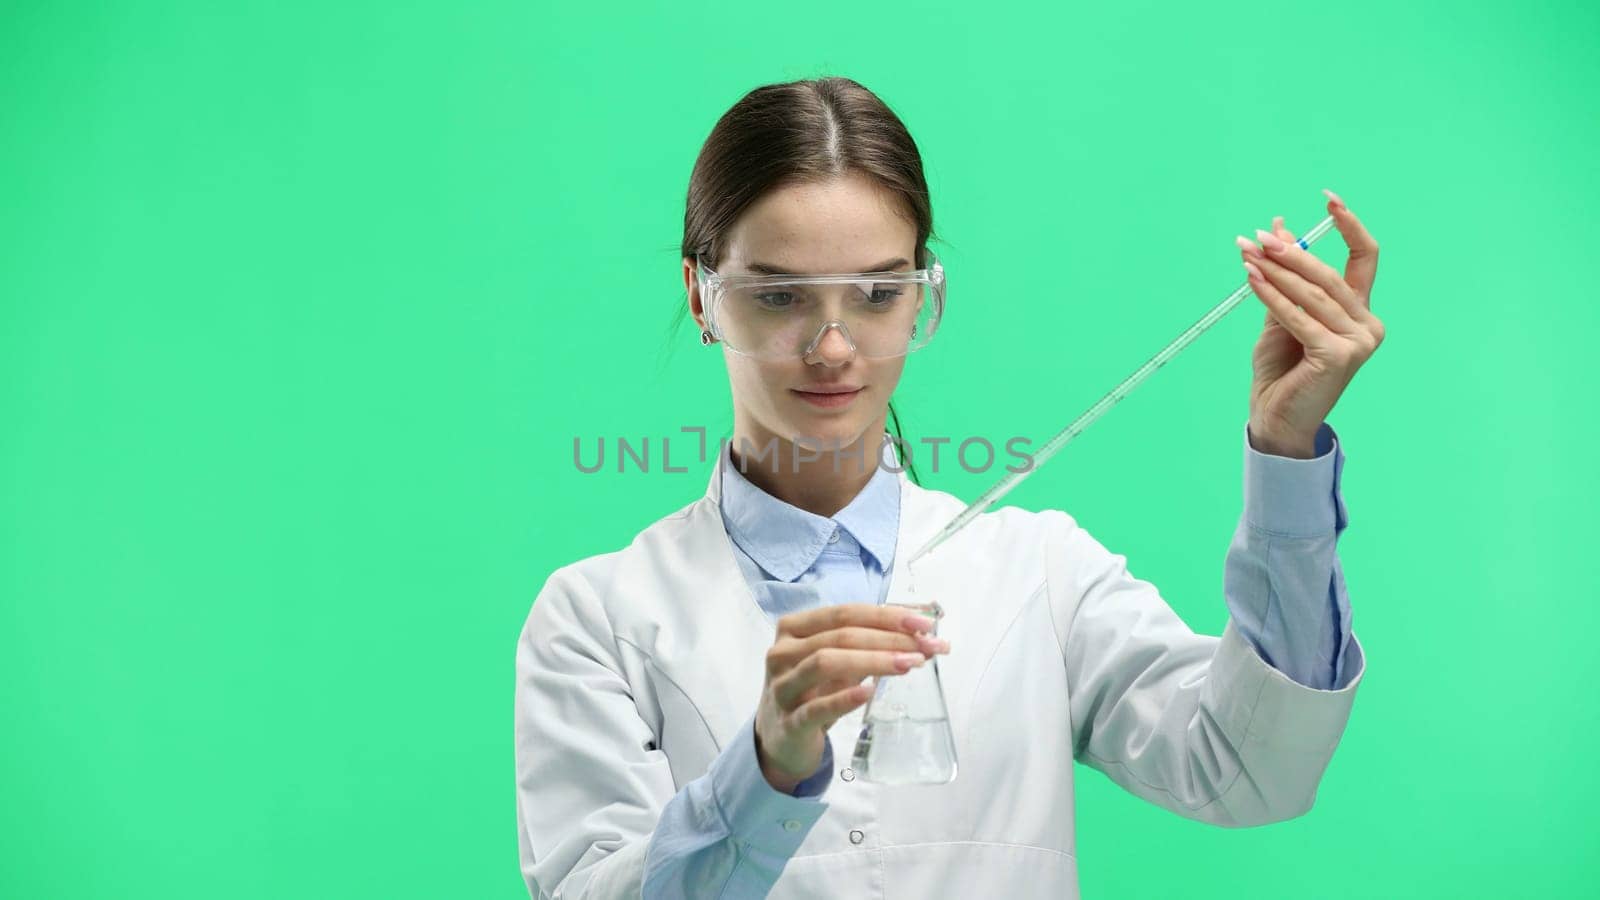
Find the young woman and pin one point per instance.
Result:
(686, 706)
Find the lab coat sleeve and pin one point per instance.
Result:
(597, 812)
(1200, 725)
(589, 782)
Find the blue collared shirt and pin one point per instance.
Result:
(721, 834)
(797, 560)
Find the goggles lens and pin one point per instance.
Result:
(778, 317)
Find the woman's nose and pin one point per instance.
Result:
(833, 346)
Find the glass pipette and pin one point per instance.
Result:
(1012, 479)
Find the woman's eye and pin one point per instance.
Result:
(885, 295)
(776, 299)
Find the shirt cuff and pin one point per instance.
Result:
(753, 810)
(1292, 497)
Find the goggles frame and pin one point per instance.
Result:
(714, 288)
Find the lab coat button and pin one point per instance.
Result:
(848, 774)
(857, 837)
(834, 538)
(791, 825)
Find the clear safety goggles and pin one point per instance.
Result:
(778, 317)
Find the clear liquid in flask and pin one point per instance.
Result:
(905, 730)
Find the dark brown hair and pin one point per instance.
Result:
(796, 132)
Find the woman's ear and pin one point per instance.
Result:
(691, 287)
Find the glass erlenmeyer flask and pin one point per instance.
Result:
(905, 730)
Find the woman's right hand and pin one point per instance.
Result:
(814, 672)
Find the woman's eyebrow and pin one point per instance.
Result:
(768, 269)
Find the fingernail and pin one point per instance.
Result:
(908, 660)
(1277, 223)
(918, 623)
(937, 645)
(1268, 241)
(1335, 198)
(1254, 272)
(1247, 245)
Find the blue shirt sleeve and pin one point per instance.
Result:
(728, 833)
(1282, 580)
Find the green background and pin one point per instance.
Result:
(302, 305)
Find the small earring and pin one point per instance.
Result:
(706, 338)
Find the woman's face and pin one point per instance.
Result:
(847, 224)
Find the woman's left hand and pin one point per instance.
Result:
(1319, 330)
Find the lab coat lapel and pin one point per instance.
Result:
(714, 649)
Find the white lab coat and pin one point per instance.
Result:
(636, 667)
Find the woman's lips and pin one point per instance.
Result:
(829, 401)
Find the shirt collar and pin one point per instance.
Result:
(786, 540)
